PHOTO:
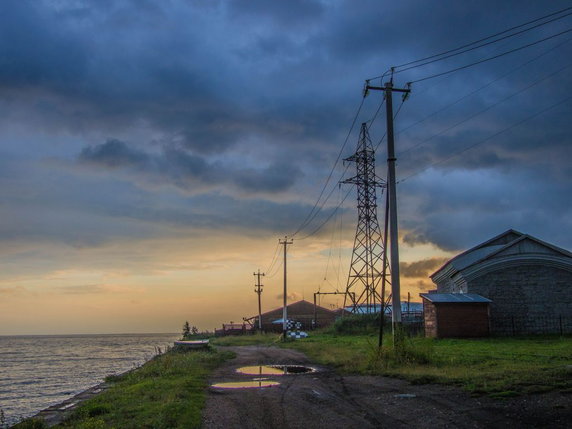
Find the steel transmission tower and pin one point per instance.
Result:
(368, 255)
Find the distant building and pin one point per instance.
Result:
(300, 311)
(406, 307)
(528, 281)
(233, 329)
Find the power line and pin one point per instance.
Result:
(274, 258)
(491, 58)
(481, 45)
(479, 89)
(479, 41)
(552, 106)
(342, 175)
(327, 219)
(487, 108)
(313, 212)
(276, 270)
(394, 117)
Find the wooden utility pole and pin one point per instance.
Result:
(258, 290)
(285, 242)
(392, 194)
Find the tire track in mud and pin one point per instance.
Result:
(325, 400)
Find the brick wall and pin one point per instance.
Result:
(526, 293)
(430, 319)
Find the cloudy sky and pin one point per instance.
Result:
(153, 152)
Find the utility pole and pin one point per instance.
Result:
(285, 242)
(392, 194)
(258, 290)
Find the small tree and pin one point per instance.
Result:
(186, 329)
(194, 330)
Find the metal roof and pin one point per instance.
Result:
(454, 297)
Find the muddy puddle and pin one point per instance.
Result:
(275, 370)
(252, 384)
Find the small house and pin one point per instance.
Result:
(455, 315)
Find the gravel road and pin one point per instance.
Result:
(326, 400)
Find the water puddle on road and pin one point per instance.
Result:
(254, 384)
(275, 370)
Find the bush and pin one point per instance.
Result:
(358, 324)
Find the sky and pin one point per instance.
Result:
(152, 153)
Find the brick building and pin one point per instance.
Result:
(528, 281)
(451, 315)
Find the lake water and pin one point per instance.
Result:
(39, 371)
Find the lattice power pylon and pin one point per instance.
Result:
(368, 257)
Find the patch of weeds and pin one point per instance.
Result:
(535, 388)
(96, 410)
(115, 378)
(92, 424)
(504, 395)
(31, 424)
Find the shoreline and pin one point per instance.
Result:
(57, 413)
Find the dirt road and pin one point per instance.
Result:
(326, 400)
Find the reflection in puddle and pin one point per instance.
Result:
(257, 384)
(274, 369)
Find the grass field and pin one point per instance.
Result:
(167, 392)
(500, 367)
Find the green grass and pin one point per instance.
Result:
(247, 340)
(500, 367)
(167, 392)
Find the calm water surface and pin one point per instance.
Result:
(39, 371)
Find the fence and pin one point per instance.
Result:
(527, 324)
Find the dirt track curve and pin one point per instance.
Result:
(326, 400)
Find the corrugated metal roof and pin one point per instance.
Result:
(454, 297)
(376, 308)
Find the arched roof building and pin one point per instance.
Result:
(528, 281)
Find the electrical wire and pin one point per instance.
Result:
(394, 117)
(480, 112)
(546, 109)
(477, 90)
(480, 46)
(327, 219)
(331, 246)
(490, 58)
(275, 270)
(274, 257)
(478, 41)
(313, 212)
(485, 38)
(345, 197)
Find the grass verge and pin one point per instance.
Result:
(166, 392)
(499, 367)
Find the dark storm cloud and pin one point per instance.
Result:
(420, 268)
(289, 13)
(458, 209)
(186, 171)
(210, 83)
